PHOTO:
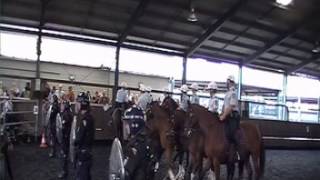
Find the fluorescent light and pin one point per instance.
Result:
(284, 2)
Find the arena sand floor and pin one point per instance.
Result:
(29, 162)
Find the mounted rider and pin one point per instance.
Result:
(122, 97)
(194, 98)
(184, 98)
(145, 97)
(230, 112)
(213, 101)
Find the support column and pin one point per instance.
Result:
(184, 70)
(284, 95)
(116, 75)
(240, 82)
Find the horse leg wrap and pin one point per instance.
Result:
(211, 175)
(171, 175)
(181, 172)
(192, 176)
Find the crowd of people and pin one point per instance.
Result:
(14, 91)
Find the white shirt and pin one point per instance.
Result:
(184, 102)
(231, 99)
(144, 100)
(59, 93)
(213, 104)
(122, 96)
(195, 99)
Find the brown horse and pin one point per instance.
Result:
(217, 148)
(189, 143)
(159, 128)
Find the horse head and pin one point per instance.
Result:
(192, 120)
(169, 104)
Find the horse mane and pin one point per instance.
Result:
(215, 116)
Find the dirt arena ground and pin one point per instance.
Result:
(29, 162)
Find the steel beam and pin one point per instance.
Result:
(309, 18)
(137, 13)
(116, 75)
(214, 27)
(184, 70)
(303, 64)
(44, 4)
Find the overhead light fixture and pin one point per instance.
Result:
(284, 2)
(192, 16)
(316, 48)
(72, 77)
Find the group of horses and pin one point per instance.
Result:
(199, 136)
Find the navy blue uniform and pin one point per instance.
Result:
(67, 117)
(135, 118)
(53, 133)
(83, 144)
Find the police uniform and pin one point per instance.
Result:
(122, 98)
(195, 99)
(135, 118)
(67, 118)
(213, 104)
(83, 142)
(184, 102)
(144, 100)
(141, 158)
(233, 119)
(55, 109)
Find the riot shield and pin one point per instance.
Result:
(72, 139)
(59, 128)
(116, 162)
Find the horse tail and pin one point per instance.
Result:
(262, 158)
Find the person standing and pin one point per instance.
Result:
(70, 95)
(84, 139)
(144, 98)
(55, 109)
(67, 117)
(60, 93)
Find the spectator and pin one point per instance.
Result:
(27, 91)
(89, 95)
(52, 92)
(96, 98)
(15, 90)
(60, 93)
(104, 99)
(1, 89)
(70, 95)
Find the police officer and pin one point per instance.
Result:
(55, 109)
(194, 98)
(145, 98)
(67, 117)
(230, 113)
(134, 119)
(213, 101)
(184, 98)
(122, 96)
(84, 139)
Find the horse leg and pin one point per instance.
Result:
(249, 169)
(241, 166)
(216, 166)
(168, 155)
(181, 170)
(230, 170)
(255, 161)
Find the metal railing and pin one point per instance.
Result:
(24, 114)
